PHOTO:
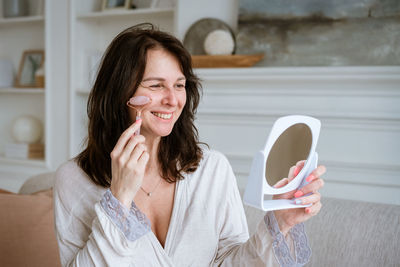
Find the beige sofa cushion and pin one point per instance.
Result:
(355, 233)
(27, 230)
(349, 233)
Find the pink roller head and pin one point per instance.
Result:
(139, 100)
(138, 103)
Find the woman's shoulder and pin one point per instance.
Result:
(213, 176)
(69, 172)
(75, 191)
(70, 177)
(212, 163)
(209, 153)
(213, 157)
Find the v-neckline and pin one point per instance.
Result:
(172, 221)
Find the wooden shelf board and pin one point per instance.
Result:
(225, 61)
(17, 20)
(13, 90)
(25, 162)
(84, 92)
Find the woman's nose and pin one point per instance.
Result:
(170, 97)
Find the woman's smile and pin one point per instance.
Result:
(163, 116)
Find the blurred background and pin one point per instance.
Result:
(259, 60)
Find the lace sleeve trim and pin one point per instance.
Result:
(281, 248)
(133, 223)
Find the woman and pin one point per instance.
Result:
(158, 198)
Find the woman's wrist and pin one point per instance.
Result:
(283, 226)
(121, 197)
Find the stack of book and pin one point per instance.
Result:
(24, 151)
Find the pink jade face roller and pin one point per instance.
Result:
(138, 103)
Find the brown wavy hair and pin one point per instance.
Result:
(119, 76)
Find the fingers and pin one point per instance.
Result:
(281, 183)
(312, 187)
(124, 138)
(142, 161)
(319, 171)
(315, 183)
(291, 172)
(134, 143)
(314, 209)
(294, 171)
(310, 199)
(136, 154)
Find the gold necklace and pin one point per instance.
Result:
(151, 192)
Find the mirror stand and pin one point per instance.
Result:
(292, 139)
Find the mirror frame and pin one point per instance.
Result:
(258, 189)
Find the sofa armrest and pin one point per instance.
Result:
(40, 182)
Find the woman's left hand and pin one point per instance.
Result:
(290, 217)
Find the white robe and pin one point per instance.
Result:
(207, 228)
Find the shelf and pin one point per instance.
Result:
(83, 92)
(23, 162)
(21, 20)
(225, 61)
(124, 13)
(14, 90)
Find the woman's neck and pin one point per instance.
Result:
(152, 144)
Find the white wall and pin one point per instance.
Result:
(359, 108)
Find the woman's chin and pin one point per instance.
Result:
(158, 132)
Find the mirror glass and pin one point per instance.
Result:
(293, 145)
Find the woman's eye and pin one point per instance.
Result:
(180, 86)
(156, 86)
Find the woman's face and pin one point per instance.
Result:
(164, 82)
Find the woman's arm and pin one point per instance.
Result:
(92, 232)
(268, 246)
(107, 234)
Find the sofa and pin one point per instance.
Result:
(344, 233)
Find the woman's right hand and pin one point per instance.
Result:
(128, 163)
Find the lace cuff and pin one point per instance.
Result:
(133, 223)
(281, 248)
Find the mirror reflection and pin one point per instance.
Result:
(293, 145)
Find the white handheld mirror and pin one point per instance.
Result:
(292, 139)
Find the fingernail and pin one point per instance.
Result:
(138, 120)
(308, 210)
(298, 201)
(296, 171)
(298, 194)
(310, 178)
(280, 183)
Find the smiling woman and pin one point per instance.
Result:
(141, 199)
(164, 83)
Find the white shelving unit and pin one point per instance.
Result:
(44, 30)
(18, 34)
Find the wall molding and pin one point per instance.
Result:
(241, 165)
(265, 119)
(384, 73)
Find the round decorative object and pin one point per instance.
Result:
(219, 42)
(197, 33)
(27, 129)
